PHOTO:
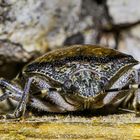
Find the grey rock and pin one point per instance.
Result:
(37, 25)
(130, 42)
(124, 11)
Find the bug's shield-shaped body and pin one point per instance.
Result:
(78, 78)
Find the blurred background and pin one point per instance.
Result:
(30, 28)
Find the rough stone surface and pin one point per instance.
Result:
(130, 42)
(124, 11)
(12, 58)
(37, 24)
(63, 127)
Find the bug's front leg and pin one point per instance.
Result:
(20, 110)
(10, 96)
(9, 90)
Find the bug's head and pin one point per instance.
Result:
(83, 82)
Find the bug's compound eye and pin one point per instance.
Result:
(68, 84)
(103, 81)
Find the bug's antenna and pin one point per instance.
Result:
(126, 110)
(131, 86)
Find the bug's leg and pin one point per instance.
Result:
(9, 98)
(6, 84)
(4, 96)
(136, 101)
(48, 97)
(121, 98)
(20, 110)
(9, 90)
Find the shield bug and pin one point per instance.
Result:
(76, 78)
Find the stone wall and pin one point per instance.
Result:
(35, 26)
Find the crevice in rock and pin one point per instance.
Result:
(74, 39)
(95, 9)
(5, 9)
(12, 58)
(109, 18)
(117, 38)
(115, 29)
(100, 2)
(120, 27)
